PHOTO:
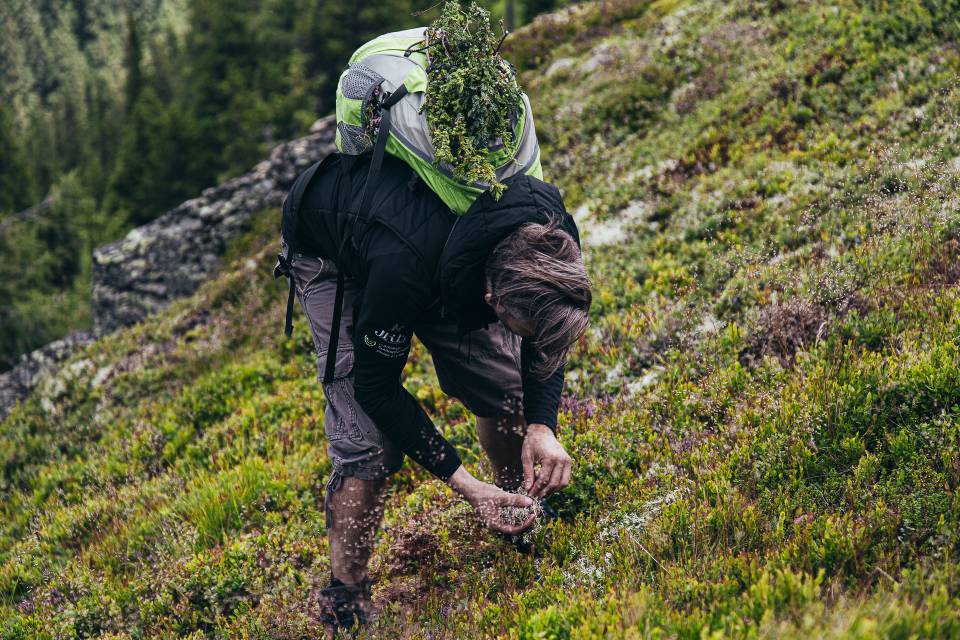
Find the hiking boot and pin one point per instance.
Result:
(344, 607)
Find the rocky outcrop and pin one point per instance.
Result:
(171, 256)
(19, 381)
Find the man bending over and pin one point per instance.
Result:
(497, 296)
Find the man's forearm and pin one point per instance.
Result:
(463, 482)
(541, 398)
(401, 418)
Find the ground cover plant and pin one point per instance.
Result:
(764, 418)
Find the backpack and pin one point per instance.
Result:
(386, 79)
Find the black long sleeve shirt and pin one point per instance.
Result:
(397, 295)
(395, 257)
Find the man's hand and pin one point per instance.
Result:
(540, 447)
(487, 499)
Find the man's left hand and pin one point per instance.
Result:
(540, 447)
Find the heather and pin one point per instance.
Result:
(764, 417)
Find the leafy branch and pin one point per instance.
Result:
(471, 94)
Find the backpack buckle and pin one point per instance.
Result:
(282, 268)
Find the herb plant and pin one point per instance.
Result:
(471, 94)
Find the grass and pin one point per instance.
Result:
(764, 417)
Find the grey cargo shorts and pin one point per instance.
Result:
(482, 371)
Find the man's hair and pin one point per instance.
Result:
(537, 275)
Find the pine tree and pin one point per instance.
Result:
(44, 276)
(15, 182)
(60, 259)
(331, 31)
(133, 62)
(148, 177)
(533, 8)
(243, 87)
(82, 25)
(18, 244)
(105, 111)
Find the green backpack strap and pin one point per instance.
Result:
(376, 161)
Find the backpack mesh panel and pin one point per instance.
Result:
(353, 140)
(358, 81)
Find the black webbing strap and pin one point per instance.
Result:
(292, 201)
(288, 323)
(334, 329)
(373, 175)
(285, 262)
(378, 150)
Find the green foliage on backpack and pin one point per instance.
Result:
(471, 95)
(465, 136)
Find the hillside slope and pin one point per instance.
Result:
(764, 419)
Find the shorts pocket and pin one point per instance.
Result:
(346, 423)
(342, 418)
(308, 271)
(317, 290)
(343, 367)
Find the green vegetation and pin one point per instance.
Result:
(472, 94)
(764, 420)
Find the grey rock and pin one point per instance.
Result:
(173, 255)
(560, 65)
(602, 55)
(19, 381)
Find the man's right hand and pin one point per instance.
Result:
(488, 499)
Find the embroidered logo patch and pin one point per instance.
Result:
(390, 343)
